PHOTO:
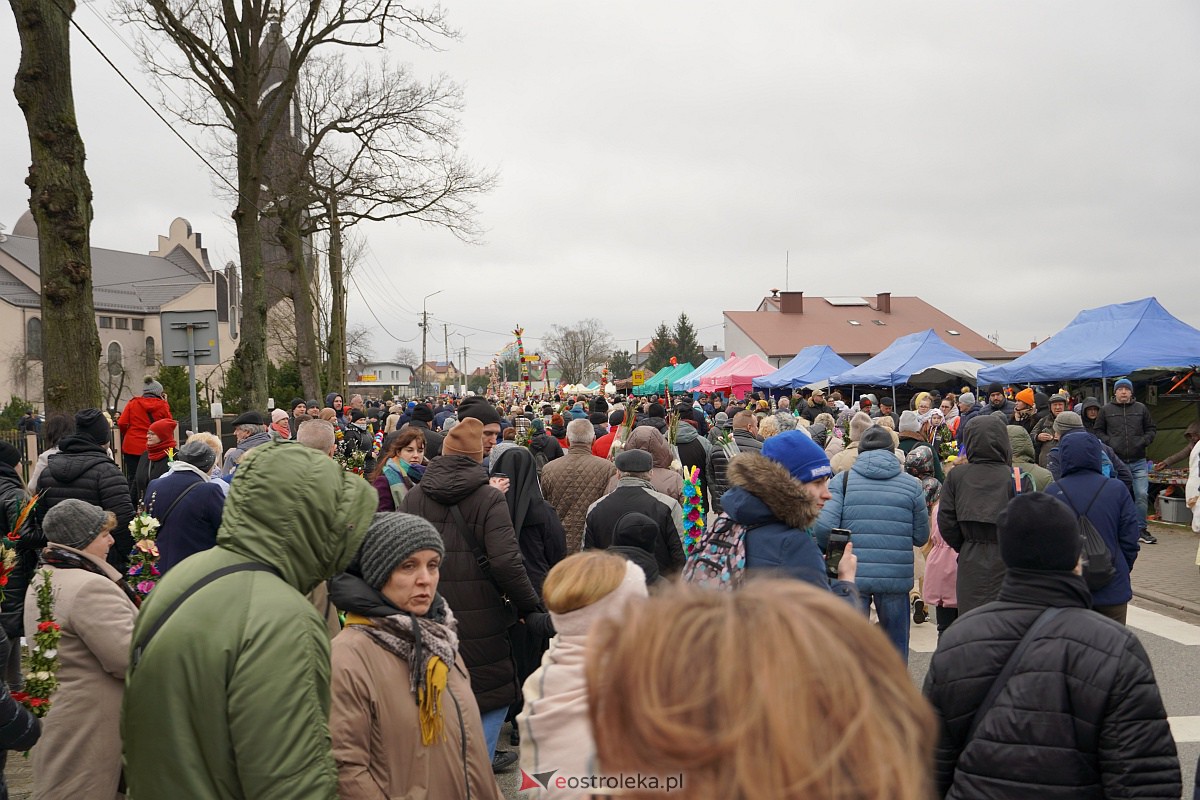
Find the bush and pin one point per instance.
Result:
(13, 412)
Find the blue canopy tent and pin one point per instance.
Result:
(1106, 342)
(812, 364)
(691, 380)
(593, 386)
(900, 359)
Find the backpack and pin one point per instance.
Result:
(1098, 568)
(540, 461)
(719, 560)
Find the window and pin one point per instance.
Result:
(33, 338)
(139, 324)
(854, 322)
(953, 333)
(151, 355)
(106, 322)
(222, 298)
(114, 359)
(122, 323)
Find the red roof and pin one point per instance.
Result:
(831, 321)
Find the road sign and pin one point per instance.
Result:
(639, 377)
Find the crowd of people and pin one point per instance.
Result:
(325, 624)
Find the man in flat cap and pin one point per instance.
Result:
(250, 431)
(634, 495)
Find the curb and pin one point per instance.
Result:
(1167, 600)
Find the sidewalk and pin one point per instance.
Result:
(1166, 572)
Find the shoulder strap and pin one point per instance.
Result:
(481, 557)
(139, 647)
(1016, 480)
(1010, 666)
(842, 507)
(162, 520)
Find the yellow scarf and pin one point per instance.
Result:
(429, 696)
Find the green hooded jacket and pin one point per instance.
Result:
(231, 697)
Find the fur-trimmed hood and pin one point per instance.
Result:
(767, 491)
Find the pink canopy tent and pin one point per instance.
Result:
(709, 382)
(739, 379)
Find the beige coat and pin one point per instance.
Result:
(377, 735)
(79, 754)
(571, 484)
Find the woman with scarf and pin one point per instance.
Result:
(160, 442)
(79, 754)
(400, 467)
(281, 424)
(403, 721)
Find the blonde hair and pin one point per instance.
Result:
(581, 579)
(109, 524)
(778, 690)
(211, 440)
(769, 426)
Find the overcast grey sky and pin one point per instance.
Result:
(1011, 163)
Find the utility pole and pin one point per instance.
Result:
(425, 341)
(446, 342)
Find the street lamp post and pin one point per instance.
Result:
(424, 323)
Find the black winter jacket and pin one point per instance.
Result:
(1080, 717)
(718, 464)
(634, 495)
(82, 469)
(482, 619)
(13, 498)
(1128, 428)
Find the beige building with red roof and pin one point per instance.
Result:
(856, 328)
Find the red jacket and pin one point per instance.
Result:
(602, 446)
(135, 421)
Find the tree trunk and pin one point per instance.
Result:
(61, 203)
(251, 354)
(337, 313)
(308, 357)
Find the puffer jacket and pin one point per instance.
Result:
(779, 513)
(83, 470)
(1112, 511)
(884, 508)
(135, 420)
(243, 710)
(571, 484)
(718, 464)
(662, 478)
(13, 498)
(1080, 718)
(1022, 458)
(1128, 428)
(483, 619)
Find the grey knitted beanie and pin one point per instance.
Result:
(393, 537)
(198, 454)
(73, 523)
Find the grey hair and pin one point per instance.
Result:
(250, 429)
(580, 431)
(317, 434)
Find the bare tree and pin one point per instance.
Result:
(579, 351)
(61, 202)
(238, 65)
(382, 146)
(406, 355)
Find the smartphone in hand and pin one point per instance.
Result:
(838, 539)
